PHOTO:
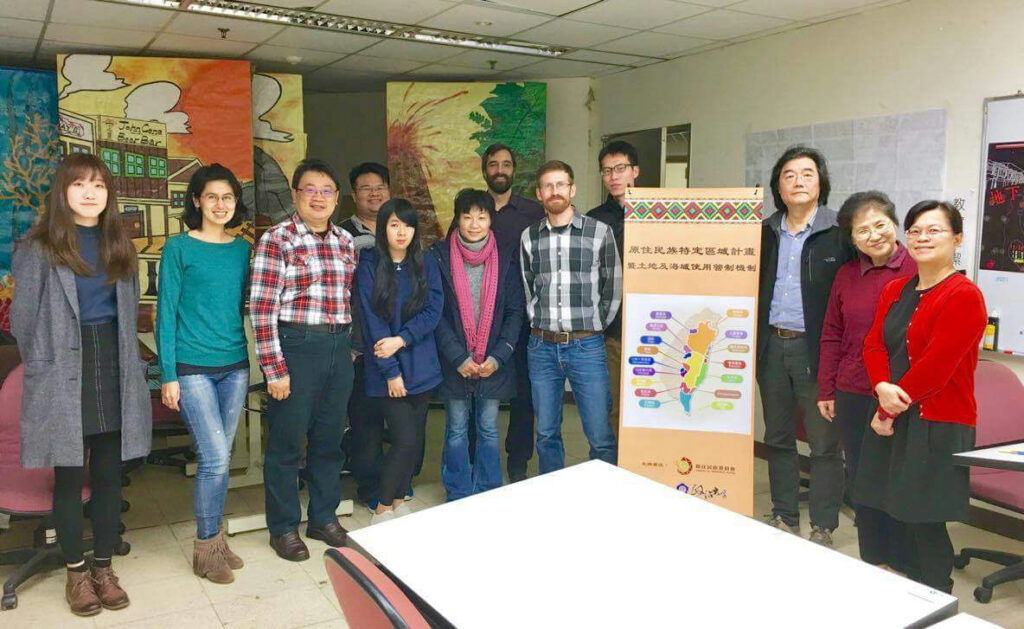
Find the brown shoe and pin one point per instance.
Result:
(81, 595)
(332, 533)
(209, 560)
(234, 561)
(290, 546)
(109, 592)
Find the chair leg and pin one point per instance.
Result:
(39, 560)
(995, 556)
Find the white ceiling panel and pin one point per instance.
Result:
(722, 24)
(608, 57)
(315, 39)
(550, 7)
(25, 9)
(484, 21)
(573, 34)
(106, 15)
(399, 11)
(411, 51)
(49, 50)
(18, 46)
(203, 25)
(27, 29)
(558, 68)
(280, 54)
(362, 63)
(441, 71)
(653, 44)
(717, 3)
(631, 14)
(482, 59)
(77, 34)
(198, 46)
(799, 9)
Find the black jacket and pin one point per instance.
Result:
(613, 214)
(509, 310)
(825, 250)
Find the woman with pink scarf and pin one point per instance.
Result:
(483, 312)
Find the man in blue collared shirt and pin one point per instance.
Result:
(801, 251)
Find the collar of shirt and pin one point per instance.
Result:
(577, 221)
(301, 228)
(894, 262)
(803, 232)
(361, 229)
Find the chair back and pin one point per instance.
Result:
(10, 418)
(999, 395)
(368, 598)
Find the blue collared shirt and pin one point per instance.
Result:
(787, 309)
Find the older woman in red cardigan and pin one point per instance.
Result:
(920, 355)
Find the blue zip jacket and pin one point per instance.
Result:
(417, 361)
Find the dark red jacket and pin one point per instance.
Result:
(942, 344)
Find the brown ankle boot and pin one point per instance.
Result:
(107, 589)
(234, 561)
(210, 561)
(80, 594)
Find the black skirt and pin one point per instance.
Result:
(101, 379)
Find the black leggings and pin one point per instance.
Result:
(104, 452)
(406, 418)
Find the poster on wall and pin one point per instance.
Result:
(1002, 227)
(28, 159)
(438, 131)
(154, 122)
(279, 144)
(688, 341)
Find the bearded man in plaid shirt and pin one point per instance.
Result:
(301, 310)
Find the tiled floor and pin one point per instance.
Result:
(270, 592)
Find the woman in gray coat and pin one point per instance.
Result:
(74, 316)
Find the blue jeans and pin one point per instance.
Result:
(460, 477)
(584, 362)
(210, 405)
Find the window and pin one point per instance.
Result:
(177, 199)
(134, 165)
(157, 167)
(78, 148)
(112, 158)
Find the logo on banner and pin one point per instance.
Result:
(684, 466)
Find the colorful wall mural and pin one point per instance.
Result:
(279, 141)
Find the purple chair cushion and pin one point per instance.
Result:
(1004, 486)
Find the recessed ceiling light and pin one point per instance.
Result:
(484, 23)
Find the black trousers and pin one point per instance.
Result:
(406, 420)
(104, 453)
(931, 555)
(364, 452)
(520, 437)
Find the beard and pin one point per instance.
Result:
(556, 205)
(498, 183)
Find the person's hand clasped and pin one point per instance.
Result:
(469, 369)
(892, 398)
(396, 387)
(386, 347)
(882, 427)
(827, 408)
(487, 369)
(170, 394)
(280, 389)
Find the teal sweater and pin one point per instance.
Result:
(199, 312)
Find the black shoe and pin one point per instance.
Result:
(516, 474)
(332, 534)
(290, 546)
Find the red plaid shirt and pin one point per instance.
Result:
(297, 277)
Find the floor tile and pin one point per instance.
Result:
(156, 598)
(294, 607)
(202, 617)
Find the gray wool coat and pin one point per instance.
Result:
(44, 321)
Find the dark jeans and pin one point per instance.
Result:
(406, 419)
(786, 382)
(320, 367)
(104, 452)
(931, 555)
(364, 452)
(520, 436)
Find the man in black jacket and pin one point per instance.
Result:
(801, 251)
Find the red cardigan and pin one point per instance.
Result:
(942, 344)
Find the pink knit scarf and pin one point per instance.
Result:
(476, 338)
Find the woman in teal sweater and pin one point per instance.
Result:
(202, 346)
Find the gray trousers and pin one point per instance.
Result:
(786, 382)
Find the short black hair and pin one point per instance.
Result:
(555, 166)
(494, 148)
(369, 168)
(618, 147)
(956, 222)
(312, 164)
(796, 152)
(860, 201)
(466, 200)
(193, 216)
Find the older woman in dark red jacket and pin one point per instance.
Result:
(921, 354)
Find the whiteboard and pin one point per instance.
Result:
(1003, 290)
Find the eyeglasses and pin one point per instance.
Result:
(558, 186)
(932, 232)
(807, 175)
(865, 233)
(311, 192)
(618, 169)
(226, 199)
(369, 189)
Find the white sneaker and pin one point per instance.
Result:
(382, 517)
(402, 509)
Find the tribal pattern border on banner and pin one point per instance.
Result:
(701, 210)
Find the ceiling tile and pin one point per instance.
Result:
(106, 15)
(398, 11)
(553, 68)
(713, 3)
(198, 46)
(411, 51)
(204, 25)
(315, 39)
(25, 9)
(482, 58)
(573, 34)
(376, 64)
(49, 50)
(627, 13)
(27, 29)
(479, 20)
(799, 9)
(77, 34)
(550, 7)
(279, 54)
(608, 57)
(19, 46)
(654, 44)
(440, 71)
(722, 24)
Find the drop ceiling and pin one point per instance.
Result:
(602, 36)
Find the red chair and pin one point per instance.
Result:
(1000, 397)
(368, 598)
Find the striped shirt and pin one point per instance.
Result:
(298, 277)
(572, 275)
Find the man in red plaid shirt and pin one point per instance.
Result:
(301, 307)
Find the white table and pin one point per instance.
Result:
(1001, 456)
(966, 621)
(597, 546)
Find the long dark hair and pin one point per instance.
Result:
(385, 286)
(56, 231)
